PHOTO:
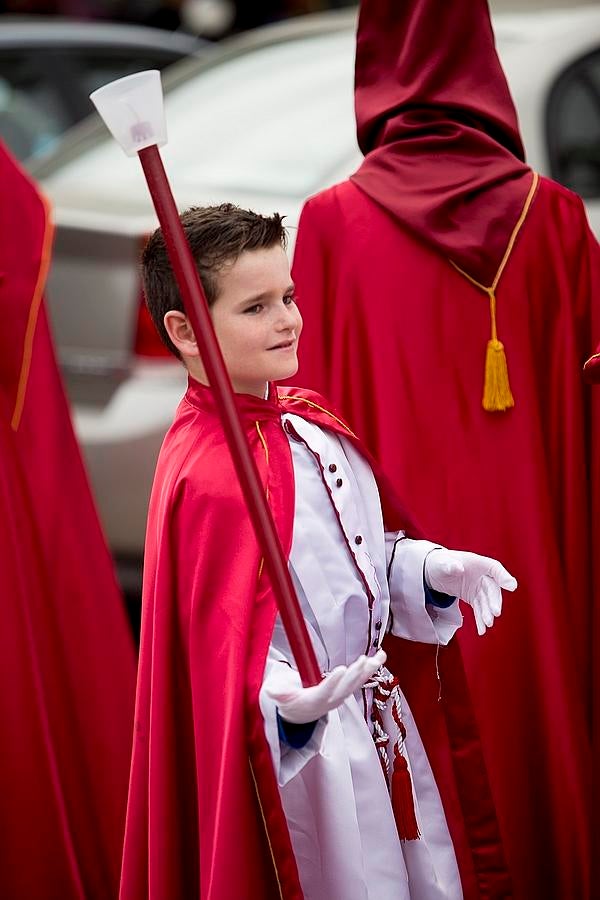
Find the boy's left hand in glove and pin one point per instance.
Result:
(478, 580)
(302, 705)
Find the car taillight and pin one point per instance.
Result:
(147, 342)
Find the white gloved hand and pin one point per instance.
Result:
(478, 580)
(303, 705)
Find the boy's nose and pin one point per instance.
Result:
(288, 319)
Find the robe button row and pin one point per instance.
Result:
(378, 626)
(332, 467)
(339, 482)
(358, 539)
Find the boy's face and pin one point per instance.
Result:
(256, 321)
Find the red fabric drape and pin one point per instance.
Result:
(67, 661)
(396, 336)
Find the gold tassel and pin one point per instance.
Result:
(497, 395)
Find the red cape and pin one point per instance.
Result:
(396, 336)
(204, 817)
(67, 660)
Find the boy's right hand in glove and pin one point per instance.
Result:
(304, 705)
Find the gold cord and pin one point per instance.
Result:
(497, 395)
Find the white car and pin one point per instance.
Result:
(265, 121)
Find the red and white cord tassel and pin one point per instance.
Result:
(386, 690)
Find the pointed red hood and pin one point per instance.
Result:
(438, 128)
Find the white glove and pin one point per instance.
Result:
(303, 705)
(477, 580)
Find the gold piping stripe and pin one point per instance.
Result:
(266, 449)
(511, 243)
(266, 829)
(321, 408)
(263, 442)
(34, 309)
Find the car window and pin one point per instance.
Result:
(574, 127)
(32, 115)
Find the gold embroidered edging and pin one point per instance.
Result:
(593, 356)
(266, 449)
(263, 442)
(321, 409)
(260, 806)
(33, 316)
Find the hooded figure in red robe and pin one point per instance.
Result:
(448, 294)
(67, 659)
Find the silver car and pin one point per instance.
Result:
(265, 121)
(48, 67)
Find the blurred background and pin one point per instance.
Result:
(259, 105)
(213, 19)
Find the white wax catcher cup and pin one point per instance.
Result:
(132, 109)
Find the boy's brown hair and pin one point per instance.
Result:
(217, 235)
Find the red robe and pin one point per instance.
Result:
(204, 816)
(67, 660)
(396, 337)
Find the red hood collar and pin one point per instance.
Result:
(438, 127)
(250, 408)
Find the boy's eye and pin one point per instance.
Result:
(252, 310)
(289, 299)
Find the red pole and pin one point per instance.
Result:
(196, 307)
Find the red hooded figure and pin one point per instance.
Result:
(67, 659)
(442, 243)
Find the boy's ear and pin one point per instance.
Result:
(180, 332)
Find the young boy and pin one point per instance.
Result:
(243, 783)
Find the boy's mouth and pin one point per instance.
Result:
(284, 345)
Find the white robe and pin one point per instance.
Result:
(333, 790)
